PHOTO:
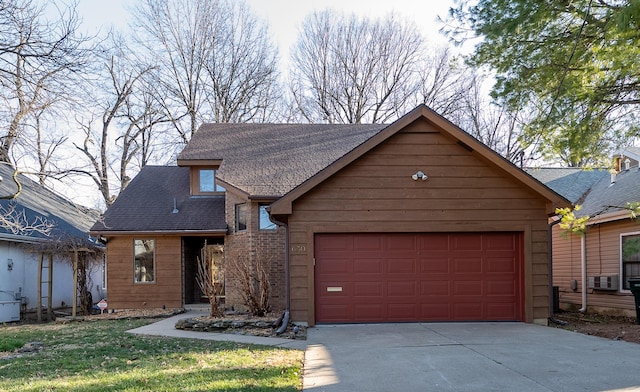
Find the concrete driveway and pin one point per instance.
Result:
(466, 357)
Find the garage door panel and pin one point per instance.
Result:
(336, 313)
(467, 311)
(368, 289)
(435, 312)
(434, 288)
(467, 288)
(335, 242)
(402, 243)
(402, 311)
(401, 289)
(500, 264)
(501, 311)
(368, 242)
(369, 312)
(468, 265)
(500, 242)
(466, 242)
(335, 266)
(418, 277)
(434, 264)
(500, 288)
(401, 266)
(368, 266)
(435, 242)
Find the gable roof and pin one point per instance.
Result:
(146, 206)
(36, 202)
(572, 183)
(284, 204)
(607, 200)
(272, 159)
(632, 152)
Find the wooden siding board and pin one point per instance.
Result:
(123, 293)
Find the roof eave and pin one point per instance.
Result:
(610, 217)
(115, 233)
(198, 162)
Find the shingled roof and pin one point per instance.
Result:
(606, 196)
(38, 203)
(572, 183)
(271, 159)
(147, 205)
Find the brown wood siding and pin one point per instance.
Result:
(603, 258)
(123, 293)
(376, 194)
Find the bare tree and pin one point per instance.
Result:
(488, 122)
(241, 69)
(39, 62)
(112, 143)
(347, 69)
(444, 83)
(213, 61)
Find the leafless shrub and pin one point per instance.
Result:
(252, 275)
(210, 277)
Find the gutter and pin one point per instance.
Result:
(286, 315)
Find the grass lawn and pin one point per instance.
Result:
(101, 356)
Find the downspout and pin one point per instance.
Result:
(285, 316)
(550, 258)
(583, 258)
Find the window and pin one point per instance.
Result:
(241, 217)
(265, 223)
(630, 245)
(144, 261)
(207, 181)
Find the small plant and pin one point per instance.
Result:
(10, 344)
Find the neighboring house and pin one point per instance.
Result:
(412, 221)
(592, 271)
(39, 223)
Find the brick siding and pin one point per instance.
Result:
(269, 244)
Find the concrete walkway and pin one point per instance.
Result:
(166, 327)
(447, 357)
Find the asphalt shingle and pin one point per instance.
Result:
(36, 202)
(605, 196)
(572, 183)
(272, 159)
(147, 205)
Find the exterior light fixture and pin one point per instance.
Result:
(419, 175)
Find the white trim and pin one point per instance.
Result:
(622, 289)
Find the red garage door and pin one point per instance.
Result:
(418, 277)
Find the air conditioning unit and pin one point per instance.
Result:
(608, 282)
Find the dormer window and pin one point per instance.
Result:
(206, 178)
(627, 164)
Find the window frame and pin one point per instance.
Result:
(136, 274)
(245, 213)
(197, 183)
(270, 225)
(623, 280)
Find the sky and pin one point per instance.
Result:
(285, 16)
